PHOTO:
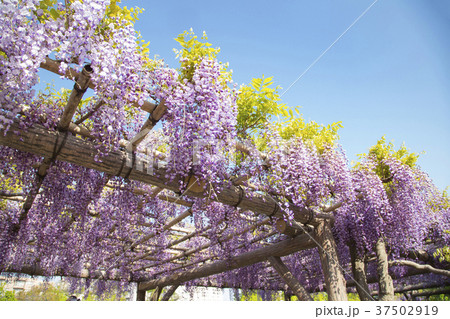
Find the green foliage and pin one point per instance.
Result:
(317, 134)
(383, 150)
(259, 106)
(105, 297)
(8, 186)
(50, 292)
(115, 12)
(6, 295)
(252, 295)
(445, 198)
(49, 11)
(192, 53)
(443, 254)
(441, 297)
(43, 292)
(257, 102)
(321, 296)
(353, 297)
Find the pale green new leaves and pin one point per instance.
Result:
(319, 135)
(383, 150)
(193, 52)
(257, 103)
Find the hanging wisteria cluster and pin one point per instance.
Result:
(84, 220)
(201, 117)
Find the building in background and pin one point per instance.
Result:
(201, 294)
(18, 284)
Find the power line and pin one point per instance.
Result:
(327, 49)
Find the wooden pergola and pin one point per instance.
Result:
(73, 143)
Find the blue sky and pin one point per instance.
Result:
(388, 75)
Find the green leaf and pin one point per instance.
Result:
(55, 14)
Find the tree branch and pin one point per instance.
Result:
(428, 268)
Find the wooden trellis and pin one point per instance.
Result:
(73, 149)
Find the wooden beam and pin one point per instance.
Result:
(289, 279)
(140, 296)
(80, 130)
(169, 293)
(280, 249)
(97, 105)
(155, 294)
(202, 260)
(69, 110)
(427, 268)
(419, 286)
(175, 200)
(433, 292)
(37, 270)
(334, 279)
(173, 222)
(149, 124)
(80, 86)
(373, 279)
(40, 141)
(173, 243)
(291, 229)
(53, 66)
(207, 245)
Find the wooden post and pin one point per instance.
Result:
(385, 283)
(169, 293)
(334, 279)
(140, 295)
(359, 273)
(289, 279)
(156, 293)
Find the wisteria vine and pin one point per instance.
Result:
(83, 220)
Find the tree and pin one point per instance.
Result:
(43, 292)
